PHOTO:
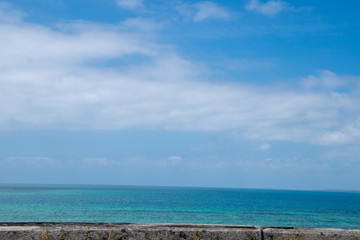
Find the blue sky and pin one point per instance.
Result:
(247, 94)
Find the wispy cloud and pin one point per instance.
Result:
(346, 134)
(265, 146)
(201, 11)
(109, 162)
(207, 10)
(8, 14)
(171, 161)
(129, 4)
(33, 45)
(33, 161)
(329, 80)
(269, 8)
(99, 161)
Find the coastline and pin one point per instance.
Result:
(139, 231)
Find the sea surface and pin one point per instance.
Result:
(137, 204)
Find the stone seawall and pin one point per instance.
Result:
(125, 231)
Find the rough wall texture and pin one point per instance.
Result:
(107, 231)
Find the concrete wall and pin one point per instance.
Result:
(83, 231)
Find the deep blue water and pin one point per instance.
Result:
(71, 203)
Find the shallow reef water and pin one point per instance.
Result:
(139, 204)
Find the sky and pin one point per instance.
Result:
(238, 94)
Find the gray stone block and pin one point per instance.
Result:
(124, 231)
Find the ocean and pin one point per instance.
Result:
(139, 204)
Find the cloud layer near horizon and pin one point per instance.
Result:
(81, 76)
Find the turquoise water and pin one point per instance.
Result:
(70, 203)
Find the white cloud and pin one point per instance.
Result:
(49, 79)
(129, 4)
(207, 10)
(264, 146)
(8, 14)
(33, 161)
(99, 161)
(269, 8)
(328, 80)
(346, 134)
(33, 45)
(201, 11)
(169, 162)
